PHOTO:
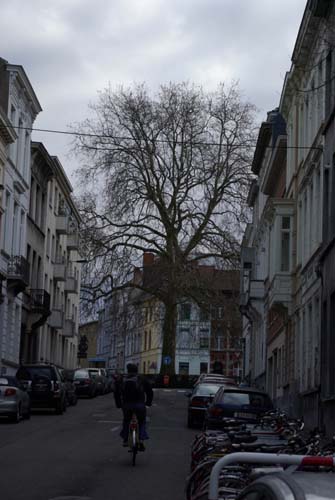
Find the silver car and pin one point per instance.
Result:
(14, 400)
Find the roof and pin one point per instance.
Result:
(25, 83)
(247, 389)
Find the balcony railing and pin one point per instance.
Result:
(39, 300)
(62, 222)
(17, 274)
(56, 318)
(69, 329)
(280, 290)
(71, 284)
(59, 269)
(72, 241)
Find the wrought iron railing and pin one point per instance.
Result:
(18, 268)
(39, 299)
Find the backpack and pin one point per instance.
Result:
(132, 388)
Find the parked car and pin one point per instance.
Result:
(245, 404)
(14, 400)
(85, 383)
(44, 385)
(215, 378)
(70, 388)
(296, 486)
(101, 379)
(200, 398)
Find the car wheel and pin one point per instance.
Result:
(59, 407)
(17, 416)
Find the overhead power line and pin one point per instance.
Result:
(129, 138)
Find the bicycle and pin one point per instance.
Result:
(133, 438)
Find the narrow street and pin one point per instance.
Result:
(79, 454)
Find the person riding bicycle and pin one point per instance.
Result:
(133, 393)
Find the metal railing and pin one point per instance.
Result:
(18, 268)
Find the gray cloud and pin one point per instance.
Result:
(72, 48)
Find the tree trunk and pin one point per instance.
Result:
(169, 337)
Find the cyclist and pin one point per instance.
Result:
(133, 393)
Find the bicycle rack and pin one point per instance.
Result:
(261, 458)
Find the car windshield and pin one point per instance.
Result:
(81, 374)
(206, 389)
(32, 372)
(253, 399)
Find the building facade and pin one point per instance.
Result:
(21, 106)
(131, 330)
(292, 298)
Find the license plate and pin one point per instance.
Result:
(241, 414)
(77, 382)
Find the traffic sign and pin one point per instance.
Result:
(167, 360)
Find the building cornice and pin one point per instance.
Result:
(25, 84)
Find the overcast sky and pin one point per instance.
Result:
(70, 49)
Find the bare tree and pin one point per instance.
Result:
(167, 174)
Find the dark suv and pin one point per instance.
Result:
(45, 386)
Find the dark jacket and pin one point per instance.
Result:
(133, 389)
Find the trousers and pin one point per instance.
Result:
(140, 412)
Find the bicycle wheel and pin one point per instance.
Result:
(134, 446)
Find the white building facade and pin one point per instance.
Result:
(21, 106)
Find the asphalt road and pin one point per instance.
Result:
(79, 455)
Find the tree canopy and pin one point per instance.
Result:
(165, 173)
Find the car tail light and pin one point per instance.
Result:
(215, 411)
(311, 460)
(10, 392)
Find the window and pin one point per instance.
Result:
(149, 339)
(204, 342)
(204, 314)
(185, 312)
(50, 193)
(48, 243)
(145, 340)
(204, 369)
(285, 244)
(220, 312)
(184, 368)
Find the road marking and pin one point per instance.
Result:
(182, 391)
(71, 498)
(99, 414)
(109, 421)
(115, 428)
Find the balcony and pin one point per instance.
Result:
(280, 290)
(71, 284)
(39, 301)
(59, 269)
(72, 241)
(69, 329)
(56, 318)
(17, 274)
(62, 222)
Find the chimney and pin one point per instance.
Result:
(148, 259)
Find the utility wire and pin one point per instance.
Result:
(163, 141)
